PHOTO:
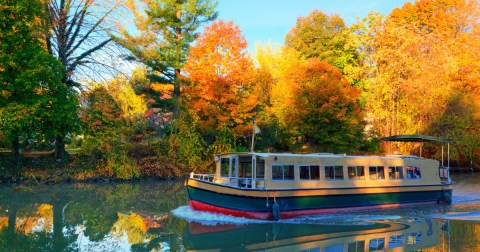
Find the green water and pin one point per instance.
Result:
(154, 216)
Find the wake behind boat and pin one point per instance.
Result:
(283, 185)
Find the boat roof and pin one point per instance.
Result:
(322, 154)
(416, 138)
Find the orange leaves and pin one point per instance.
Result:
(325, 108)
(420, 55)
(221, 74)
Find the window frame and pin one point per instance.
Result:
(288, 166)
(228, 167)
(376, 173)
(335, 177)
(400, 169)
(356, 177)
(412, 175)
(260, 169)
(310, 166)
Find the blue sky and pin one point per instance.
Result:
(269, 20)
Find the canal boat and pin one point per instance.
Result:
(273, 186)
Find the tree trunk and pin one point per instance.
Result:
(59, 147)
(176, 94)
(15, 147)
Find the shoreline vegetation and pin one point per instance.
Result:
(40, 167)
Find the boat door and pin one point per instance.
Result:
(233, 171)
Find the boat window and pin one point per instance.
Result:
(245, 167)
(282, 172)
(414, 172)
(260, 168)
(356, 246)
(356, 172)
(395, 172)
(334, 172)
(395, 241)
(334, 248)
(310, 172)
(376, 172)
(376, 244)
(224, 167)
(414, 238)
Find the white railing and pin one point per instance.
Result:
(229, 181)
(444, 173)
(203, 177)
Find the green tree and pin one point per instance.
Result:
(328, 38)
(107, 135)
(30, 79)
(165, 33)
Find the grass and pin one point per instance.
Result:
(71, 151)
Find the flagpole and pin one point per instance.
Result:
(253, 135)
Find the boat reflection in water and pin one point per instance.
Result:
(403, 234)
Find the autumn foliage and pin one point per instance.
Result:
(331, 87)
(325, 109)
(221, 79)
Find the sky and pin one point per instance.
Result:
(264, 21)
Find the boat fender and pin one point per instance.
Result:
(447, 197)
(275, 211)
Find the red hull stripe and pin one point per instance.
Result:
(200, 206)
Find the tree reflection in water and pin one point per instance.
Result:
(136, 217)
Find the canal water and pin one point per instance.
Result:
(154, 216)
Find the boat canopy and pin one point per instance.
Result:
(416, 138)
(445, 171)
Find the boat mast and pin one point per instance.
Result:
(255, 130)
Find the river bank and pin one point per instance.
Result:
(42, 168)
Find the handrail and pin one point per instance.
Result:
(236, 182)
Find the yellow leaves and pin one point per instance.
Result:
(132, 225)
(421, 56)
(3, 222)
(160, 87)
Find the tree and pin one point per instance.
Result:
(273, 86)
(132, 105)
(325, 109)
(76, 33)
(420, 58)
(326, 37)
(166, 31)
(31, 90)
(221, 74)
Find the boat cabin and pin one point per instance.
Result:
(250, 170)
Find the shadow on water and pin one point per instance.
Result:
(146, 216)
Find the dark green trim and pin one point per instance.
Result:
(259, 204)
(312, 189)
